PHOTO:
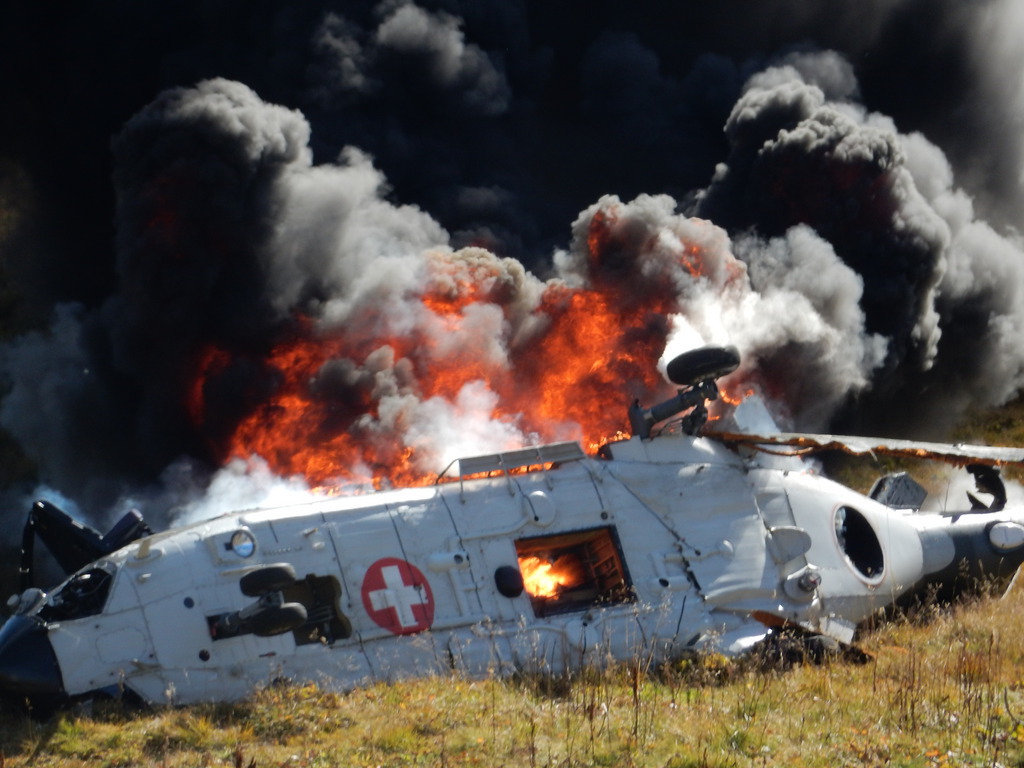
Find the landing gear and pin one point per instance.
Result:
(695, 373)
(270, 578)
(695, 366)
(277, 619)
(268, 616)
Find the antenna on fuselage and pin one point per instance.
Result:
(695, 373)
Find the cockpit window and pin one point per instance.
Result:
(859, 542)
(84, 594)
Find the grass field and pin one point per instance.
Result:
(940, 688)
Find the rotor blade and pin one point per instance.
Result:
(959, 454)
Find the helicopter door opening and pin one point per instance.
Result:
(573, 571)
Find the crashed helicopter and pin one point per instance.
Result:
(674, 540)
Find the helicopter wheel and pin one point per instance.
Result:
(271, 578)
(278, 619)
(700, 364)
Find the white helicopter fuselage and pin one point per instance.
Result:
(673, 544)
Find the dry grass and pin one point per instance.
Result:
(942, 688)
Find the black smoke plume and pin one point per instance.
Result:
(184, 176)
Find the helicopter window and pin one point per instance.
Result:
(859, 542)
(84, 594)
(573, 571)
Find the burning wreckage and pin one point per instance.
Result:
(676, 539)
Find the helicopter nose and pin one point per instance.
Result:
(28, 666)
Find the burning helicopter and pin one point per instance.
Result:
(674, 540)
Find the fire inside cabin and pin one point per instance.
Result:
(573, 571)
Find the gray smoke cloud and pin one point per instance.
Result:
(804, 154)
(855, 221)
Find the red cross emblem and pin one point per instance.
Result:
(397, 596)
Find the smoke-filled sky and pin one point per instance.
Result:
(194, 193)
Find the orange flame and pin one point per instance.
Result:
(735, 398)
(577, 359)
(542, 578)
